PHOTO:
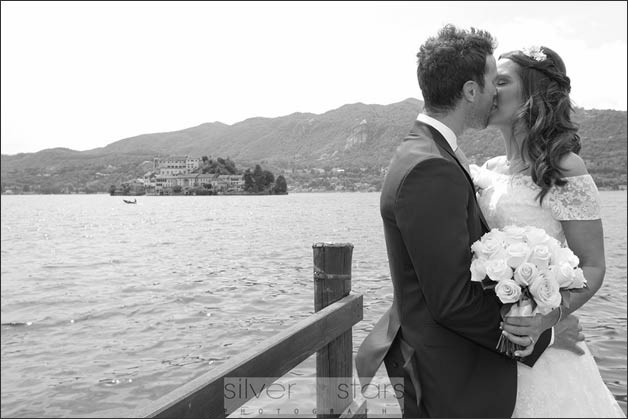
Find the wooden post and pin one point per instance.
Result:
(334, 363)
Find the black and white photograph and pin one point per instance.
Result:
(314, 209)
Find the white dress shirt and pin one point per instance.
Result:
(444, 130)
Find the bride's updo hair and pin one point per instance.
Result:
(544, 119)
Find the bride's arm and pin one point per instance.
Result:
(582, 225)
(576, 206)
(586, 240)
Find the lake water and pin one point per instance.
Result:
(106, 306)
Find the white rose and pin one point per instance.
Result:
(564, 254)
(554, 249)
(478, 249)
(536, 236)
(579, 280)
(500, 254)
(487, 247)
(546, 293)
(508, 291)
(517, 254)
(478, 270)
(525, 274)
(564, 274)
(481, 177)
(495, 234)
(514, 234)
(498, 269)
(554, 245)
(540, 256)
(492, 245)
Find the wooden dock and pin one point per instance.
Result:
(328, 333)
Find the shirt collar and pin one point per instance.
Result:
(445, 131)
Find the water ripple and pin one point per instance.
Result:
(106, 307)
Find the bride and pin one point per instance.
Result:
(542, 182)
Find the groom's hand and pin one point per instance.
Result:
(567, 333)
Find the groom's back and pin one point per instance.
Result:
(417, 147)
(423, 175)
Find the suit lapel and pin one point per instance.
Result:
(444, 145)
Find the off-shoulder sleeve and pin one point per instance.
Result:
(577, 200)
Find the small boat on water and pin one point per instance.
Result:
(127, 201)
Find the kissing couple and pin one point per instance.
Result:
(441, 334)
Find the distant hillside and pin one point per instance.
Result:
(349, 131)
(603, 136)
(352, 136)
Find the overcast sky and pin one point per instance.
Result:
(82, 75)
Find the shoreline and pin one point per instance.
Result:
(602, 189)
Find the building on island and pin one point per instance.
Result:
(176, 165)
(184, 172)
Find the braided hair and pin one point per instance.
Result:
(544, 119)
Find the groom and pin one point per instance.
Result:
(442, 329)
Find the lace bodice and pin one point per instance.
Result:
(511, 199)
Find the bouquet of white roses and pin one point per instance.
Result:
(530, 271)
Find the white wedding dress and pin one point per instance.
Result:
(561, 383)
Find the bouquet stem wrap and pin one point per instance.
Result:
(522, 308)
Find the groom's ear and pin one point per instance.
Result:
(470, 91)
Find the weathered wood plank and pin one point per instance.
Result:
(332, 272)
(203, 397)
(332, 281)
(357, 409)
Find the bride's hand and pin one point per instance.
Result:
(524, 331)
(567, 334)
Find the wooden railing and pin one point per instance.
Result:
(328, 333)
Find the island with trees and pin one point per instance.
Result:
(185, 175)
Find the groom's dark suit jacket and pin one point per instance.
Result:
(444, 326)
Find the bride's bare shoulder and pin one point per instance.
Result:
(572, 165)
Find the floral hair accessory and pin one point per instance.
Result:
(535, 53)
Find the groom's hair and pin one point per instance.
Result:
(450, 59)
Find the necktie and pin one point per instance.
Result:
(462, 159)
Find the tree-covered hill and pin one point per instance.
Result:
(354, 137)
(602, 135)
